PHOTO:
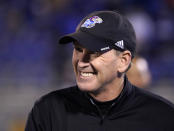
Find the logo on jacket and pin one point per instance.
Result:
(89, 23)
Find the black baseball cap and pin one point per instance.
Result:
(102, 31)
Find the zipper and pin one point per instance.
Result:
(102, 116)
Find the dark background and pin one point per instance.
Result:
(32, 63)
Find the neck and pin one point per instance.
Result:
(109, 91)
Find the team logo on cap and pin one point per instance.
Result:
(89, 23)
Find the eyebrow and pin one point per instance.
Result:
(75, 43)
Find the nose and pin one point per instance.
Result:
(85, 56)
(84, 59)
(82, 64)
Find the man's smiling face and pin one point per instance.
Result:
(93, 70)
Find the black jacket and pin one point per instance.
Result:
(72, 110)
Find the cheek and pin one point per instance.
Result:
(74, 60)
(105, 69)
(104, 65)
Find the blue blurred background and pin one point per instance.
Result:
(32, 63)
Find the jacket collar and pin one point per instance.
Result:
(82, 99)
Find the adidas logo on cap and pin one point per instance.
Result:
(120, 44)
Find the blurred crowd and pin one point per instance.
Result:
(29, 32)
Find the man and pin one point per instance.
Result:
(103, 99)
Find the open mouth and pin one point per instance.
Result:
(87, 74)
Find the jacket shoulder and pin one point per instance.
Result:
(57, 96)
(154, 100)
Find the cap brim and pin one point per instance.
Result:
(86, 40)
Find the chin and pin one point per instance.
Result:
(88, 87)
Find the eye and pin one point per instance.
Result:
(78, 49)
(95, 54)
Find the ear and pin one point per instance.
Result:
(125, 60)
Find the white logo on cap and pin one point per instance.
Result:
(120, 44)
(89, 23)
(105, 48)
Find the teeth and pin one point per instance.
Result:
(85, 74)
